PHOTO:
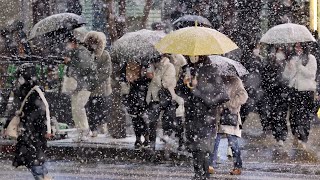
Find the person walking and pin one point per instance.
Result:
(202, 89)
(31, 145)
(278, 95)
(98, 105)
(161, 93)
(82, 68)
(136, 77)
(231, 109)
(300, 73)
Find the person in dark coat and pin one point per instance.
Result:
(202, 89)
(135, 101)
(32, 142)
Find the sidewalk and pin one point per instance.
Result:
(255, 148)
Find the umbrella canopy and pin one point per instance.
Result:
(137, 46)
(287, 33)
(190, 20)
(194, 41)
(228, 67)
(56, 22)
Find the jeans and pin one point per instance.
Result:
(39, 172)
(233, 142)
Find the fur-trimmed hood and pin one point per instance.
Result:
(97, 38)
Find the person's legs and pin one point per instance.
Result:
(279, 120)
(233, 142)
(153, 116)
(300, 117)
(78, 102)
(179, 129)
(39, 172)
(168, 118)
(214, 154)
(200, 165)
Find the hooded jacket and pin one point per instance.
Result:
(96, 42)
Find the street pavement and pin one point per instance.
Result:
(106, 158)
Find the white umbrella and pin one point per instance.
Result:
(56, 22)
(287, 33)
(228, 67)
(137, 46)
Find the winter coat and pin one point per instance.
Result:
(299, 76)
(31, 144)
(164, 77)
(102, 83)
(238, 96)
(82, 67)
(178, 61)
(135, 101)
(200, 116)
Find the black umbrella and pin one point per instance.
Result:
(190, 20)
(57, 22)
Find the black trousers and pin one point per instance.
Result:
(97, 111)
(168, 119)
(301, 110)
(140, 127)
(201, 164)
(279, 117)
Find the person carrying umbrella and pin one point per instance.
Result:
(202, 88)
(300, 72)
(82, 68)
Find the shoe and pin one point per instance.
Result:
(301, 145)
(235, 171)
(94, 134)
(47, 178)
(229, 152)
(280, 143)
(82, 136)
(295, 142)
(137, 145)
(211, 170)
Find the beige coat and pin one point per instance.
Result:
(97, 40)
(238, 96)
(164, 76)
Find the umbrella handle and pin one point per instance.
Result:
(189, 86)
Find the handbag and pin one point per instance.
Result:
(13, 128)
(165, 98)
(228, 119)
(69, 85)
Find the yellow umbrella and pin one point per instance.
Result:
(194, 41)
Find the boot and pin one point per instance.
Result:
(211, 170)
(235, 171)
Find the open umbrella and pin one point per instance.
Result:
(190, 20)
(137, 46)
(194, 41)
(287, 33)
(228, 67)
(56, 22)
